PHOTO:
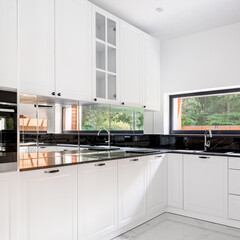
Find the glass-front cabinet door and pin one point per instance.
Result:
(105, 55)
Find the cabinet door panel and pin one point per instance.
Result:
(131, 190)
(8, 43)
(105, 56)
(234, 182)
(97, 191)
(151, 75)
(73, 49)
(234, 163)
(205, 185)
(156, 184)
(49, 204)
(8, 204)
(175, 180)
(234, 207)
(131, 80)
(36, 46)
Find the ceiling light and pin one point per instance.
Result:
(159, 9)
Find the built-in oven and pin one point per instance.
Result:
(8, 131)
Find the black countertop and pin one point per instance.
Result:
(34, 161)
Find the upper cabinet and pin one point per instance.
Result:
(36, 46)
(131, 79)
(151, 72)
(105, 56)
(8, 43)
(55, 48)
(140, 75)
(73, 49)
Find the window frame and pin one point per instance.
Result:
(195, 94)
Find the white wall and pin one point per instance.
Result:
(205, 60)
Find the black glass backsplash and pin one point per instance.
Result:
(218, 143)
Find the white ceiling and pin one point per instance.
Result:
(179, 18)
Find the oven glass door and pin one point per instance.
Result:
(8, 133)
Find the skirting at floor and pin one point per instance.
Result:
(175, 227)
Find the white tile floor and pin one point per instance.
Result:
(174, 227)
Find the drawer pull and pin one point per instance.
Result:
(100, 164)
(203, 157)
(52, 171)
(158, 156)
(134, 160)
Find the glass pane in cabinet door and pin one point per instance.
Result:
(100, 27)
(112, 59)
(111, 32)
(112, 87)
(100, 84)
(100, 56)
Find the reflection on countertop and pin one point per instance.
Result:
(38, 160)
(30, 161)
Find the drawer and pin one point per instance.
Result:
(234, 182)
(234, 163)
(234, 207)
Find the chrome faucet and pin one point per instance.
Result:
(109, 137)
(207, 142)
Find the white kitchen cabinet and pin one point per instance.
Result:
(97, 200)
(151, 72)
(36, 46)
(131, 190)
(234, 182)
(73, 49)
(8, 206)
(55, 48)
(234, 163)
(8, 43)
(206, 185)
(175, 180)
(105, 42)
(234, 207)
(156, 184)
(48, 204)
(131, 60)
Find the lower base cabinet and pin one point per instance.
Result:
(8, 206)
(100, 200)
(175, 180)
(206, 185)
(97, 200)
(131, 190)
(234, 207)
(48, 203)
(156, 184)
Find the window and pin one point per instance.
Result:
(216, 110)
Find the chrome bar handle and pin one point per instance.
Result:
(100, 164)
(134, 160)
(52, 171)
